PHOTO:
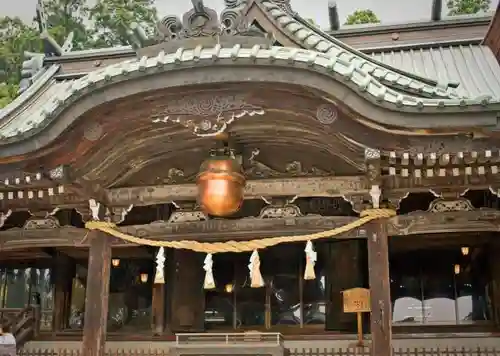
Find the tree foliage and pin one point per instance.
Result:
(463, 7)
(103, 24)
(15, 38)
(65, 16)
(112, 19)
(362, 17)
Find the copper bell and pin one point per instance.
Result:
(221, 186)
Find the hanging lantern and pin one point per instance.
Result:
(115, 262)
(221, 185)
(144, 277)
(465, 250)
(457, 269)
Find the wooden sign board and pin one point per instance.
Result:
(356, 300)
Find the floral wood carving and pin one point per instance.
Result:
(256, 169)
(442, 205)
(295, 169)
(278, 212)
(292, 169)
(260, 170)
(187, 216)
(37, 223)
(174, 176)
(326, 114)
(207, 115)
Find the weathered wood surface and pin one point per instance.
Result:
(63, 285)
(308, 187)
(248, 228)
(480, 350)
(187, 304)
(158, 309)
(97, 295)
(380, 292)
(352, 187)
(305, 187)
(492, 38)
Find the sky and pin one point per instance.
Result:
(388, 11)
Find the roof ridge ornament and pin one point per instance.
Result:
(202, 21)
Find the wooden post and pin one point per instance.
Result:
(64, 272)
(378, 264)
(359, 316)
(158, 308)
(494, 251)
(187, 297)
(97, 294)
(378, 267)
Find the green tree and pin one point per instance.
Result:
(463, 7)
(66, 16)
(8, 93)
(15, 38)
(361, 17)
(111, 21)
(113, 18)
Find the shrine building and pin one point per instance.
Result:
(241, 171)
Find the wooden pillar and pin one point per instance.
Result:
(494, 252)
(345, 269)
(187, 297)
(97, 294)
(378, 270)
(378, 264)
(64, 271)
(158, 309)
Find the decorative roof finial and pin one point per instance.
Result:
(41, 17)
(333, 15)
(202, 21)
(437, 8)
(51, 47)
(198, 6)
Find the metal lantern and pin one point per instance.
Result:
(221, 185)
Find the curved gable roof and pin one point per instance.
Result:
(380, 83)
(313, 38)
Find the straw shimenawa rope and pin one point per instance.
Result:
(240, 246)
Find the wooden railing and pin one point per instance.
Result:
(230, 339)
(46, 352)
(479, 351)
(301, 352)
(23, 323)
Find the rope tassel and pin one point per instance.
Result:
(311, 257)
(209, 273)
(256, 280)
(160, 267)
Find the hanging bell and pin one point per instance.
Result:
(221, 185)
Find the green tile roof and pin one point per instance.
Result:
(376, 80)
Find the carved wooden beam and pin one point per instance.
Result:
(293, 187)
(243, 229)
(210, 230)
(445, 222)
